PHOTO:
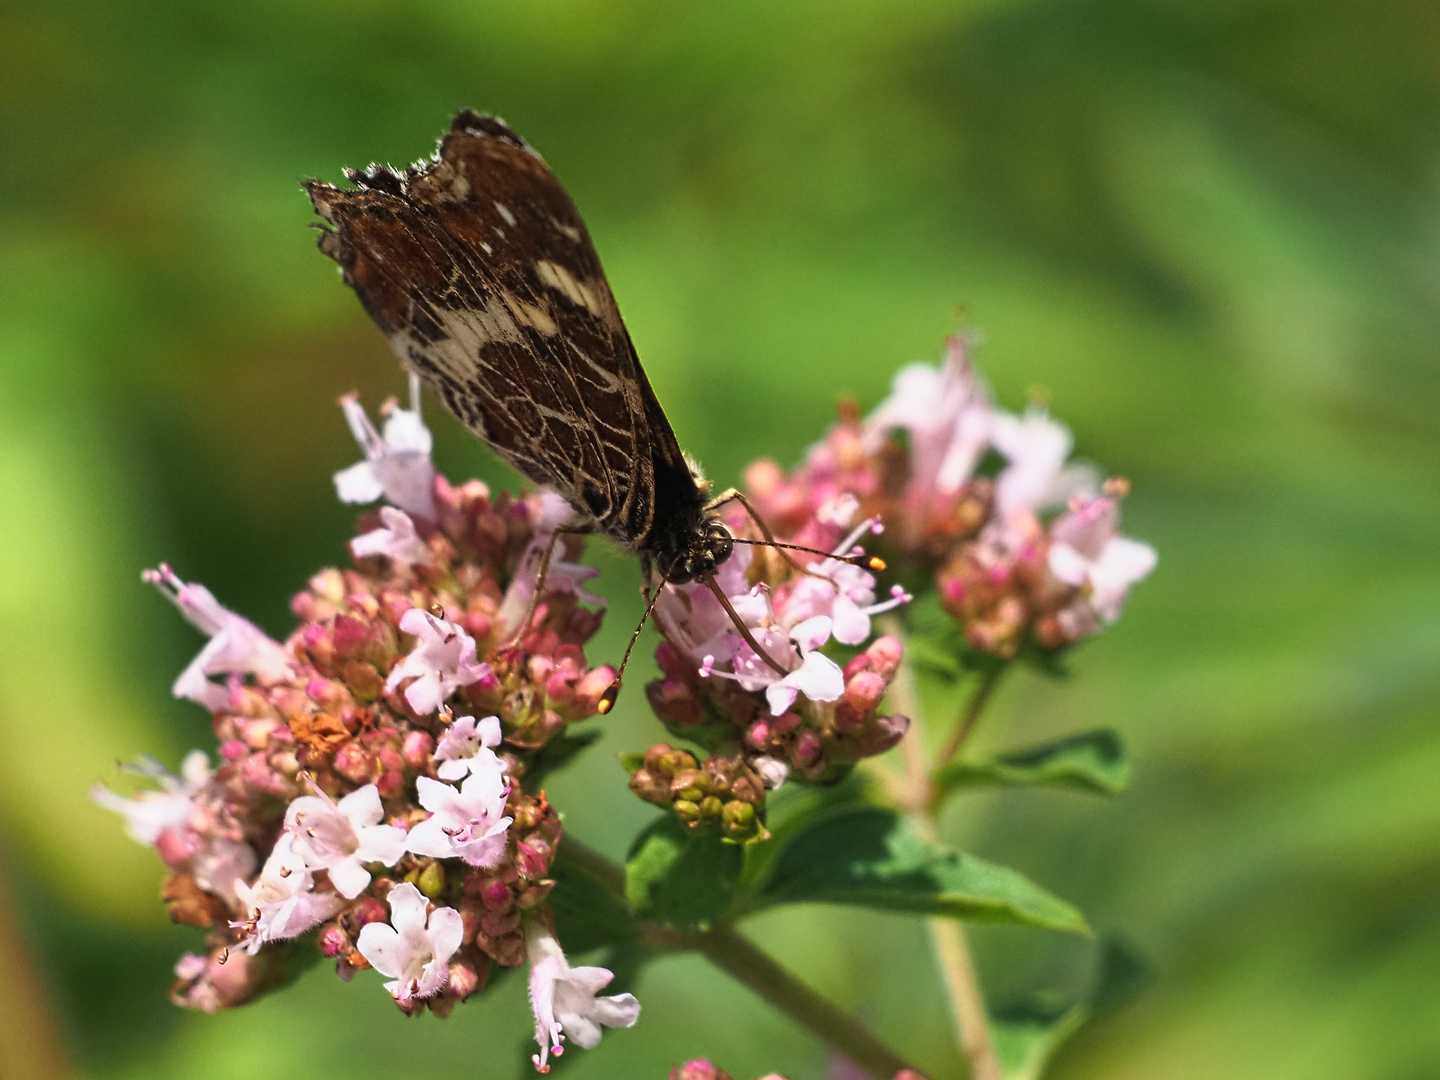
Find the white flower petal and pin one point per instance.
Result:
(362, 807)
(407, 908)
(349, 877)
(380, 944)
(358, 484)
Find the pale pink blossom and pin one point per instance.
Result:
(563, 577)
(695, 622)
(341, 837)
(397, 464)
(236, 645)
(1036, 477)
(413, 949)
(150, 813)
(563, 999)
(818, 677)
(465, 823)
(1087, 550)
(396, 539)
(282, 902)
(945, 412)
(842, 591)
(442, 661)
(218, 864)
(468, 744)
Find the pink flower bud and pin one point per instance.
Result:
(464, 979)
(885, 654)
(495, 895)
(699, 1069)
(530, 862)
(350, 635)
(357, 766)
(367, 910)
(785, 723)
(391, 784)
(417, 750)
(333, 942)
(807, 751)
(176, 847)
(884, 733)
(863, 693)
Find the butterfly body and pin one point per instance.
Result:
(478, 268)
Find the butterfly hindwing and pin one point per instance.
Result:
(478, 268)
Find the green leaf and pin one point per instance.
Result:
(587, 914)
(1026, 1037)
(1094, 761)
(556, 754)
(869, 857)
(682, 878)
(1028, 1033)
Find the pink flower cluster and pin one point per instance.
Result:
(795, 710)
(350, 801)
(1008, 568)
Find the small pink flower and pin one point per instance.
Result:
(468, 744)
(564, 1002)
(282, 902)
(1087, 550)
(236, 645)
(219, 863)
(563, 577)
(412, 949)
(467, 823)
(151, 813)
(396, 539)
(947, 415)
(842, 591)
(818, 677)
(397, 465)
(341, 837)
(1036, 477)
(442, 661)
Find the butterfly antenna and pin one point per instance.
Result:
(714, 587)
(736, 495)
(865, 562)
(612, 692)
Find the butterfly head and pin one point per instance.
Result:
(704, 549)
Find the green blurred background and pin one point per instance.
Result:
(1210, 230)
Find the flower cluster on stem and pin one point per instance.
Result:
(1028, 553)
(783, 701)
(373, 792)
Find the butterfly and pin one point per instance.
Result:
(478, 268)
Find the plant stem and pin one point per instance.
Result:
(952, 951)
(729, 951)
(610, 874)
(966, 724)
(735, 954)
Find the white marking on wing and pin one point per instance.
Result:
(579, 293)
(505, 213)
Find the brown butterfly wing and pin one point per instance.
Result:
(478, 268)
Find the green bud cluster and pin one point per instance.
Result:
(724, 790)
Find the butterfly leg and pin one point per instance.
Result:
(544, 571)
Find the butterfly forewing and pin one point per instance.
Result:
(479, 269)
